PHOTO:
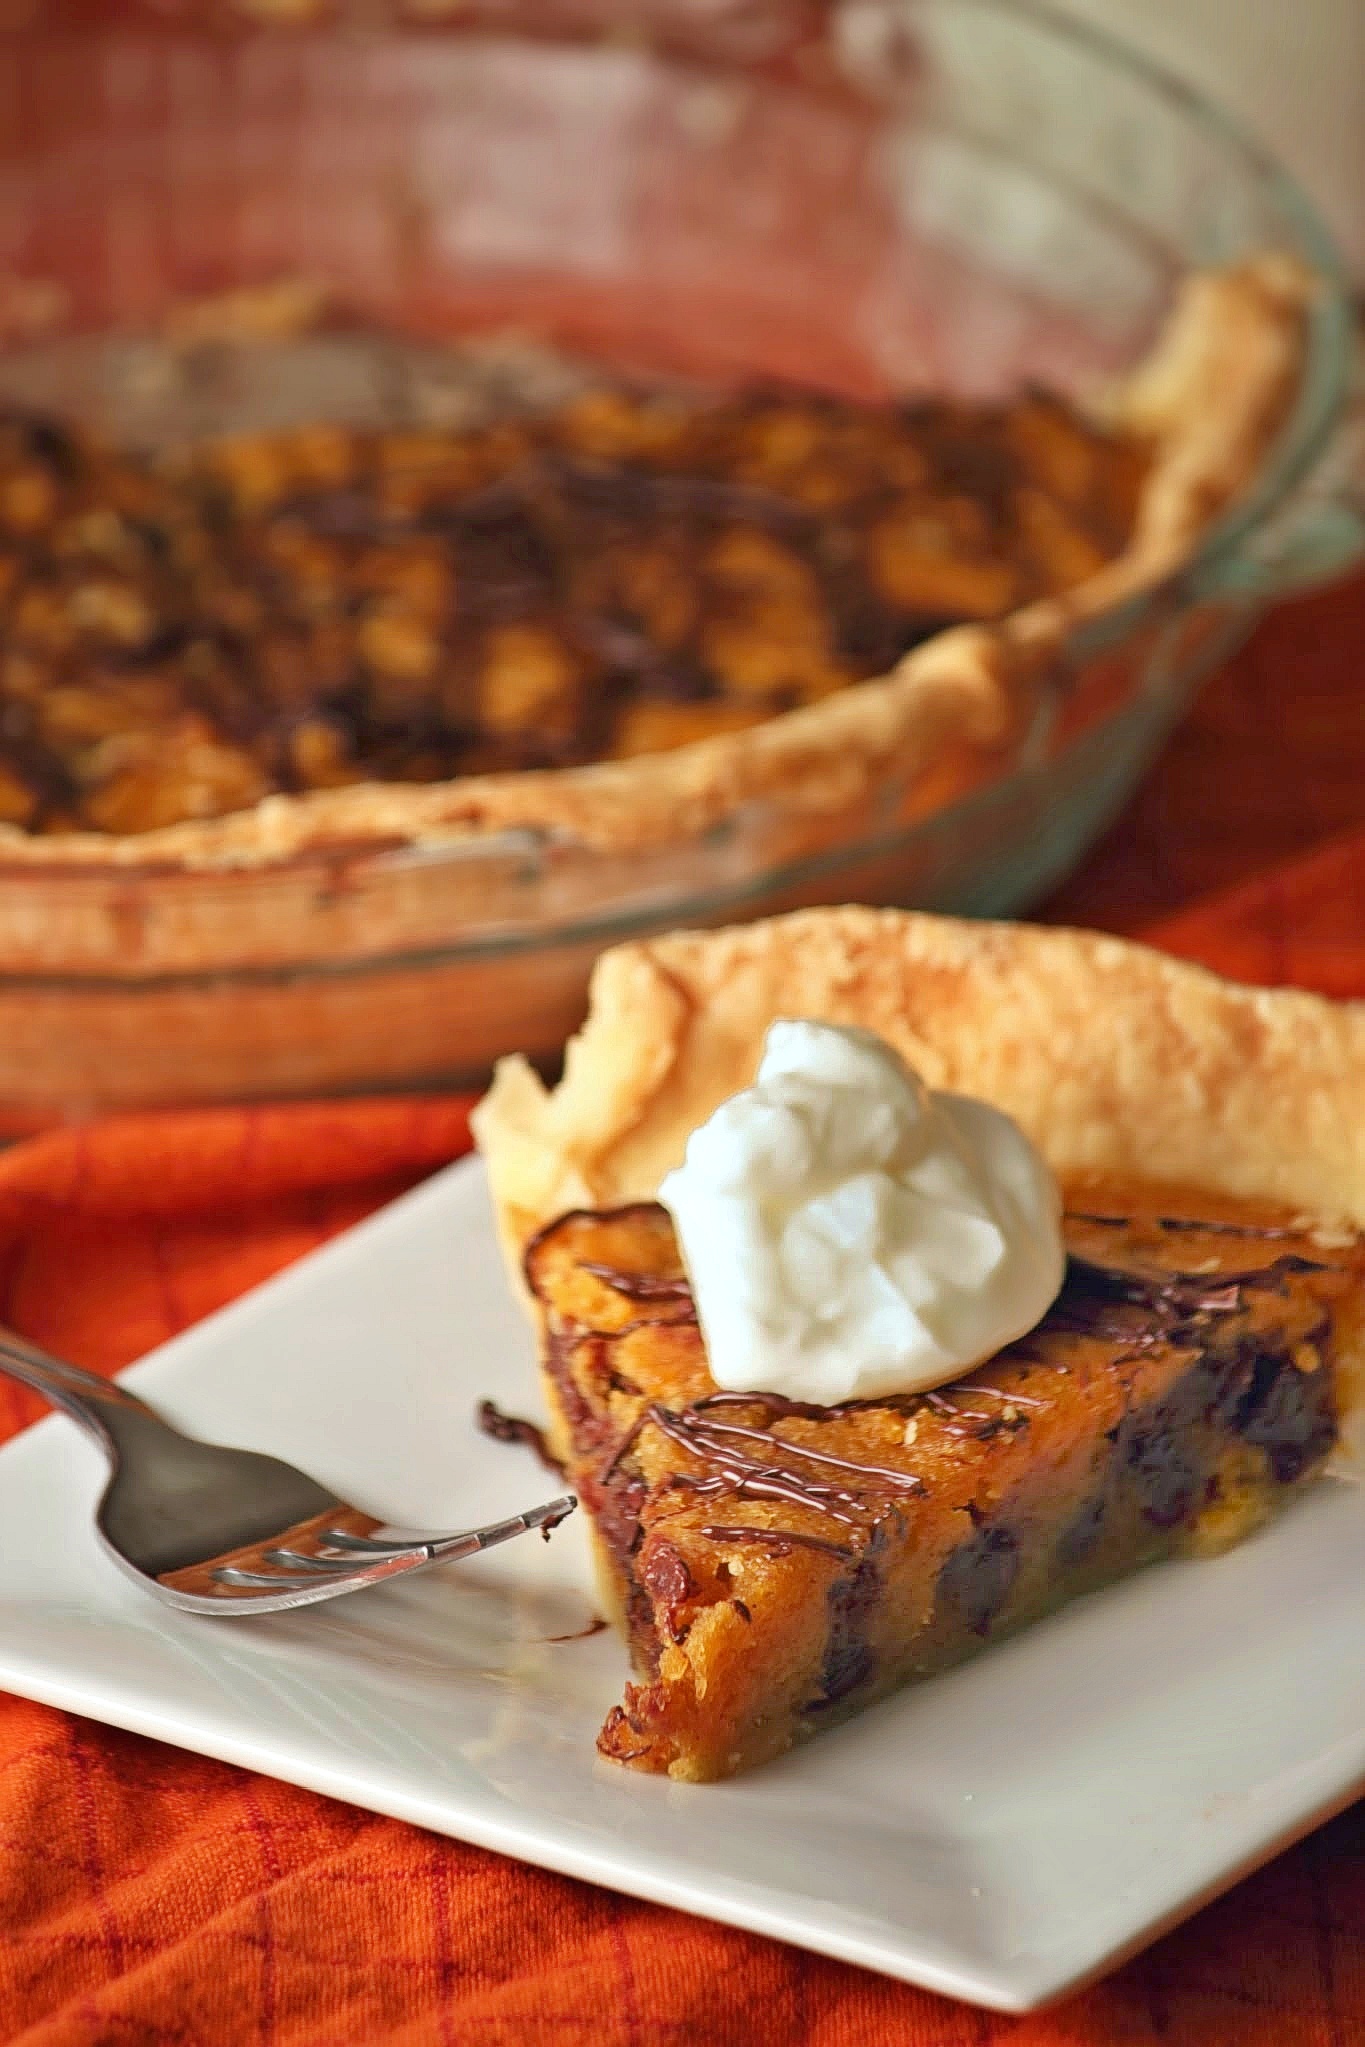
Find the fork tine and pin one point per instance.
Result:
(272, 1581)
(545, 1518)
(299, 1560)
(364, 1555)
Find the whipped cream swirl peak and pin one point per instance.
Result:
(849, 1233)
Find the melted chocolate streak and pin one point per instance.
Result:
(1177, 1222)
(779, 1540)
(596, 1626)
(639, 1286)
(1096, 1300)
(779, 1406)
(1173, 1307)
(788, 1476)
(510, 1428)
(948, 1411)
(953, 1416)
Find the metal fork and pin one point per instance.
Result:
(221, 1531)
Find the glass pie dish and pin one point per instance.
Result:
(958, 195)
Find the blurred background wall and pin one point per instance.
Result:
(1293, 70)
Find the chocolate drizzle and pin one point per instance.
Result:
(790, 1475)
(510, 1428)
(778, 1406)
(1135, 1308)
(733, 1436)
(953, 1417)
(1176, 1223)
(596, 1626)
(781, 1541)
(639, 1286)
(1140, 1309)
(1126, 1305)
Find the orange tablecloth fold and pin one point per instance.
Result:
(149, 1896)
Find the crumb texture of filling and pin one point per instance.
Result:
(777, 1564)
(621, 575)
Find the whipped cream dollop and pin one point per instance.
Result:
(848, 1232)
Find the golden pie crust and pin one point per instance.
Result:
(1209, 400)
(1123, 1065)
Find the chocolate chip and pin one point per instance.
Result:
(849, 1662)
(1077, 1541)
(1288, 1414)
(1157, 1461)
(977, 1578)
(663, 1568)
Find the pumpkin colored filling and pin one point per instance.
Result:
(629, 572)
(776, 1565)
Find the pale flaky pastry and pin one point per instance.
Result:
(1210, 400)
(1121, 1063)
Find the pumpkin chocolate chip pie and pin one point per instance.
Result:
(777, 1563)
(620, 616)
(619, 577)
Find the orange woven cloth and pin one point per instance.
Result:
(149, 1896)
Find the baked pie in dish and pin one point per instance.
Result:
(627, 573)
(619, 620)
(330, 760)
(776, 1563)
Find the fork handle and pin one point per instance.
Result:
(91, 1401)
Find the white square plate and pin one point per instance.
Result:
(998, 1834)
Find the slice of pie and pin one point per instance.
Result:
(776, 1565)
